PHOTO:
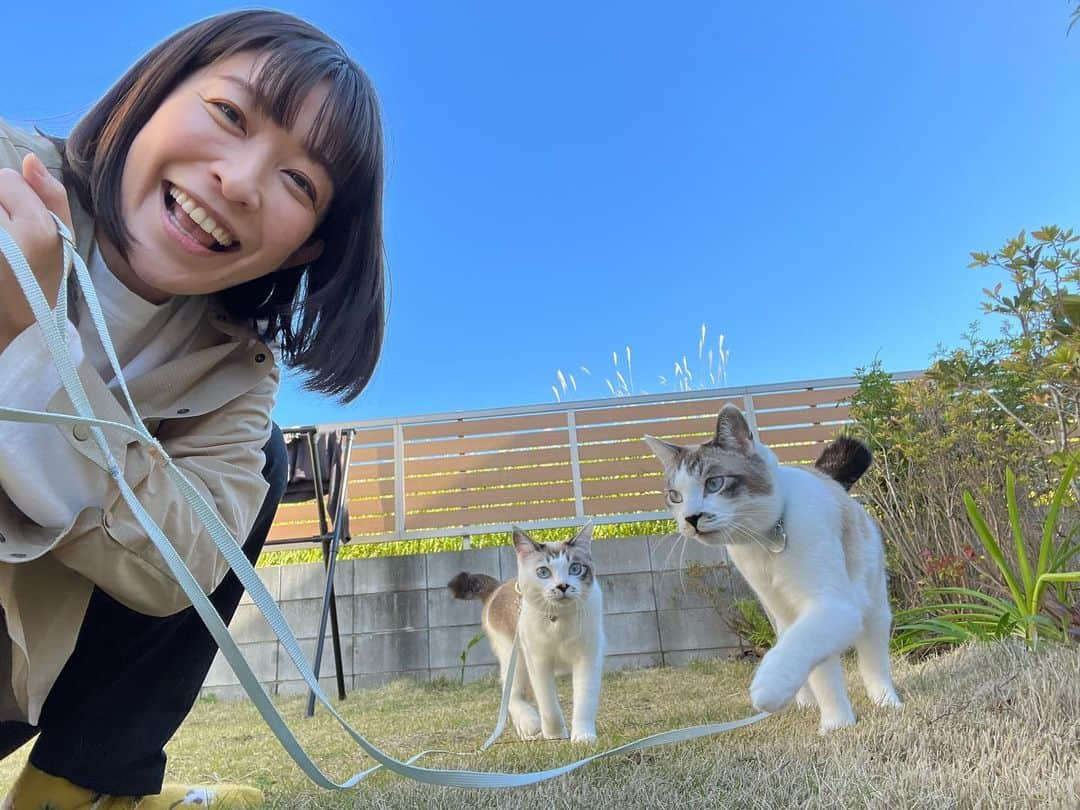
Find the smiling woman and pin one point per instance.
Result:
(215, 191)
(226, 195)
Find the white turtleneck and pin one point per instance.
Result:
(47, 479)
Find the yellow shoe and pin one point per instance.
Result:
(220, 797)
(37, 790)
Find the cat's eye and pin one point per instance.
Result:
(674, 496)
(576, 569)
(714, 484)
(543, 572)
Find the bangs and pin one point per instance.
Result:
(346, 135)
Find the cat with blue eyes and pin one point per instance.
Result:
(810, 552)
(556, 606)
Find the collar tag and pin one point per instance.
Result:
(776, 540)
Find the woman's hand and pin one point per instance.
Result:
(25, 203)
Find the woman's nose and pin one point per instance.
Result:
(239, 181)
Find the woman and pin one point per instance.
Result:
(226, 195)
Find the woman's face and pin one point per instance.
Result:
(214, 193)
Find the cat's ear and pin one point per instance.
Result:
(732, 431)
(667, 452)
(525, 544)
(583, 539)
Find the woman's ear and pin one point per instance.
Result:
(305, 255)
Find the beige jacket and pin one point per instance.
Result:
(210, 410)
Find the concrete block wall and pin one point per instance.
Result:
(398, 619)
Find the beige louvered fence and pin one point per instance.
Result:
(550, 465)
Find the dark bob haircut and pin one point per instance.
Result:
(330, 314)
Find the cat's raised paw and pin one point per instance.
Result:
(772, 688)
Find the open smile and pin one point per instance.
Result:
(193, 226)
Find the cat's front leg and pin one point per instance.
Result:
(526, 720)
(827, 682)
(524, 717)
(825, 630)
(587, 676)
(804, 698)
(552, 722)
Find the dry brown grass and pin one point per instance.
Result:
(984, 726)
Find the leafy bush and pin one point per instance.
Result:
(1007, 403)
(930, 446)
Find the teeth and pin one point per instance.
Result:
(200, 217)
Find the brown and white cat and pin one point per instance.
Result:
(811, 553)
(562, 631)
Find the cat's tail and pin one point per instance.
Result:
(473, 586)
(845, 460)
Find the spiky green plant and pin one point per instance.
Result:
(967, 614)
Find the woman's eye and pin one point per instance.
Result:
(543, 572)
(231, 113)
(575, 569)
(713, 485)
(674, 496)
(303, 184)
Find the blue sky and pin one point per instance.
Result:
(568, 179)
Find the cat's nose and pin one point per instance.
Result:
(562, 586)
(693, 519)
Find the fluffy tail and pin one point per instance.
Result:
(845, 460)
(472, 586)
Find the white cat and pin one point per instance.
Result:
(811, 553)
(562, 631)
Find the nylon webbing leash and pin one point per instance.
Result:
(53, 323)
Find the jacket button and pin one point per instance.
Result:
(81, 433)
(260, 357)
(182, 411)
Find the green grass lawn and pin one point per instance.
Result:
(984, 726)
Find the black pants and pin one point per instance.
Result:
(132, 679)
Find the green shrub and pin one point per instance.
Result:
(1007, 403)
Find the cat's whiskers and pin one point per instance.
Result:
(738, 525)
(674, 537)
(746, 533)
(682, 562)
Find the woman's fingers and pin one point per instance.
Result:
(15, 195)
(28, 215)
(49, 190)
(27, 197)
